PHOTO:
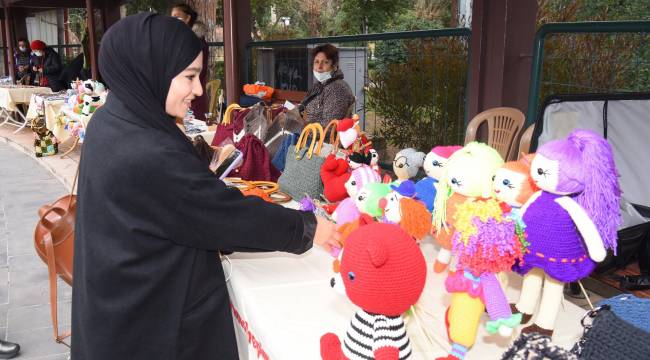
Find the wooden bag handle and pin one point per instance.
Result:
(316, 130)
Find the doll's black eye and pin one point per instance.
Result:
(437, 163)
(353, 183)
(540, 171)
(351, 276)
(494, 177)
(506, 182)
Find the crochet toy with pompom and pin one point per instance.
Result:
(383, 272)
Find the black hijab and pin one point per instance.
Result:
(139, 57)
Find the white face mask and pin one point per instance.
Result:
(322, 76)
(38, 53)
(22, 48)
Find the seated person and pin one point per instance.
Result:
(330, 97)
(23, 58)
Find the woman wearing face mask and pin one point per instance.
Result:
(330, 97)
(23, 59)
(151, 217)
(47, 66)
(186, 14)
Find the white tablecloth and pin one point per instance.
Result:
(10, 96)
(283, 303)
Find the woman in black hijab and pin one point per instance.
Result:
(148, 283)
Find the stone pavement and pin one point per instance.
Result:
(25, 185)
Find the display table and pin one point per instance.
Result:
(13, 95)
(283, 303)
(49, 106)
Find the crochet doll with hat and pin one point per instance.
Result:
(434, 164)
(334, 173)
(403, 208)
(383, 272)
(468, 175)
(570, 223)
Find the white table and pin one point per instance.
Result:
(13, 95)
(283, 303)
(49, 106)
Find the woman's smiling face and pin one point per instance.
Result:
(184, 88)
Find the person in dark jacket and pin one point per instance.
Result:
(47, 67)
(152, 218)
(23, 59)
(330, 97)
(186, 14)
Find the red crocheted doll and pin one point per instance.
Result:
(383, 272)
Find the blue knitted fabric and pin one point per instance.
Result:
(280, 157)
(634, 310)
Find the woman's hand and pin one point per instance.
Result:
(326, 234)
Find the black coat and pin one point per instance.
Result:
(52, 69)
(148, 282)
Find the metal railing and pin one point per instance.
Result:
(589, 57)
(410, 87)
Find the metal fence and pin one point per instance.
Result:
(589, 57)
(216, 62)
(410, 87)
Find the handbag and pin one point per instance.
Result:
(280, 158)
(301, 174)
(332, 145)
(54, 244)
(45, 143)
(534, 346)
(257, 120)
(256, 165)
(611, 337)
(285, 123)
(232, 123)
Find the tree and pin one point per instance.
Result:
(136, 6)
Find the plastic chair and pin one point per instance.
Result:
(212, 88)
(504, 125)
(524, 142)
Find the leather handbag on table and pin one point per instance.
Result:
(54, 244)
(301, 174)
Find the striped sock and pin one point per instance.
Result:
(458, 351)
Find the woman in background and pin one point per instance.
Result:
(330, 97)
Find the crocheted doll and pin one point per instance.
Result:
(401, 207)
(383, 272)
(570, 223)
(468, 175)
(348, 130)
(485, 243)
(347, 211)
(434, 164)
(367, 199)
(357, 159)
(407, 163)
(334, 173)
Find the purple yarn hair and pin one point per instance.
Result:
(587, 171)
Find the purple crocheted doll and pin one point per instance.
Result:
(570, 223)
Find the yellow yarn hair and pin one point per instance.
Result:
(478, 162)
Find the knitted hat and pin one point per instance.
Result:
(406, 188)
(383, 269)
(38, 45)
(445, 151)
(364, 175)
